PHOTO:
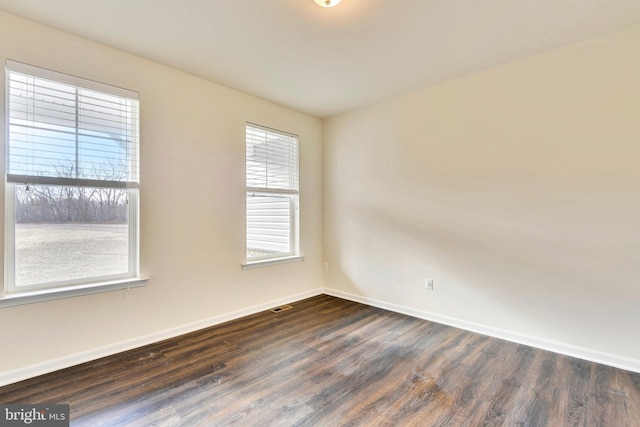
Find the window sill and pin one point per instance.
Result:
(10, 300)
(272, 261)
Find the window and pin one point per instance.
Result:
(71, 184)
(272, 194)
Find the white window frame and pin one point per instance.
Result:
(11, 294)
(293, 194)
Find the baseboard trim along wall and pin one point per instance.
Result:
(76, 359)
(556, 347)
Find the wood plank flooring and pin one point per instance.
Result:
(331, 362)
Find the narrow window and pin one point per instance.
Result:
(272, 194)
(71, 184)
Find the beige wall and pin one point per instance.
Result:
(517, 189)
(192, 205)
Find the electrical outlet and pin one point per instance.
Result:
(428, 284)
(325, 266)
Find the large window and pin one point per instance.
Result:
(71, 184)
(272, 194)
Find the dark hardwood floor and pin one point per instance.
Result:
(331, 362)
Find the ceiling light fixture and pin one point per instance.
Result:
(327, 3)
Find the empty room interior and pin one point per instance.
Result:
(310, 212)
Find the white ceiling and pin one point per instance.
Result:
(327, 61)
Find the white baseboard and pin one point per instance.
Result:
(632, 365)
(93, 354)
(10, 377)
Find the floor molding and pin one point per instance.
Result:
(632, 365)
(35, 370)
(78, 358)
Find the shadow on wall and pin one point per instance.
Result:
(538, 261)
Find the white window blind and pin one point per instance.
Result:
(272, 160)
(272, 180)
(63, 130)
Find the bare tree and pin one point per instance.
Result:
(63, 204)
